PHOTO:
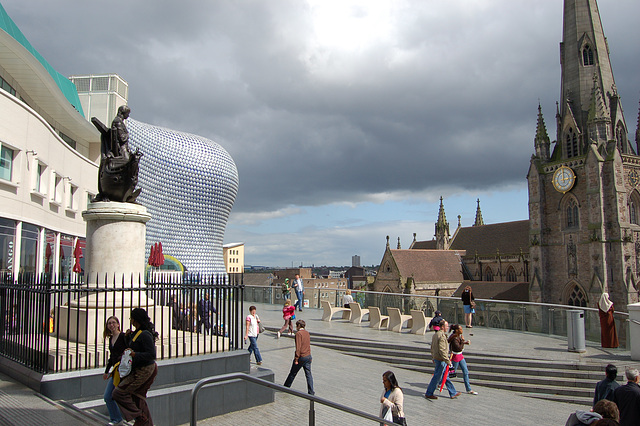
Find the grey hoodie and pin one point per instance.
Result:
(581, 417)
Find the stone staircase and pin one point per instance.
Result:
(562, 381)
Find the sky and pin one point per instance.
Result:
(347, 120)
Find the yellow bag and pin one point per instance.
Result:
(116, 374)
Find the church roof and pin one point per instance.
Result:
(496, 290)
(429, 265)
(424, 245)
(508, 237)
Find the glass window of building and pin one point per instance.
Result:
(29, 248)
(7, 87)
(6, 163)
(39, 172)
(66, 258)
(72, 197)
(7, 245)
(49, 251)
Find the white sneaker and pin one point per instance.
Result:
(278, 335)
(472, 393)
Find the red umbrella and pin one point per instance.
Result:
(77, 254)
(152, 255)
(444, 377)
(160, 255)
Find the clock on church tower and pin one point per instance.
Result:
(564, 179)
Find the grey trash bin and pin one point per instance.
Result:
(575, 331)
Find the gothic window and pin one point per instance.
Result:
(572, 219)
(488, 274)
(572, 144)
(587, 55)
(621, 138)
(511, 275)
(577, 297)
(633, 212)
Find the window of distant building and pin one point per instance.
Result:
(572, 219)
(577, 297)
(488, 274)
(511, 274)
(572, 143)
(587, 55)
(6, 86)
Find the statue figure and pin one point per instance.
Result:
(118, 173)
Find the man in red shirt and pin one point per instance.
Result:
(302, 358)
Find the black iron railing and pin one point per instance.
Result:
(51, 325)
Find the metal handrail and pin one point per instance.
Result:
(234, 377)
(513, 302)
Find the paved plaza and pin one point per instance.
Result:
(356, 382)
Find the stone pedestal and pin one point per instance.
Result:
(115, 259)
(116, 234)
(634, 330)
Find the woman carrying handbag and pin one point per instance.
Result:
(392, 399)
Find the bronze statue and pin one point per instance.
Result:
(118, 173)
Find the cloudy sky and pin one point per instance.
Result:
(347, 120)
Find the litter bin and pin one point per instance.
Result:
(575, 331)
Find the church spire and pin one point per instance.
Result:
(638, 131)
(479, 221)
(584, 53)
(442, 229)
(541, 140)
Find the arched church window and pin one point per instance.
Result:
(577, 297)
(633, 212)
(572, 215)
(511, 274)
(572, 144)
(587, 55)
(488, 274)
(621, 138)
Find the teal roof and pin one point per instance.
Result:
(65, 85)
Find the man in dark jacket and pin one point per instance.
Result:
(605, 388)
(627, 398)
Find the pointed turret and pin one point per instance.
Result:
(541, 140)
(479, 221)
(638, 131)
(442, 229)
(584, 53)
(399, 246)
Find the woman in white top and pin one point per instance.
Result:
(347, 298)
(252, 333)
(392, 398)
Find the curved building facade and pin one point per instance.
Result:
(189, 184)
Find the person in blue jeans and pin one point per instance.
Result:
(456, 343)
(440, 356)
(298, 286)
(117, 346)
(302, 357)
(252, 332)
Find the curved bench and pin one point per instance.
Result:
(376, 320)
(328, 311)
(357, 312)
(419, 322)
(396, 319)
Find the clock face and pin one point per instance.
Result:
(634, 178)
(563, 179)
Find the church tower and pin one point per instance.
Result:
(584, 204)
(443, 238)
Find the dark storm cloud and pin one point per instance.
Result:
(448, 98)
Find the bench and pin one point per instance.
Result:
(396, 319)
(357, 312)
(328, 311)
(419, 322)
(376, 320)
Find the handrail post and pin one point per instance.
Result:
(312, 413)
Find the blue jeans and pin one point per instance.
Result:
(300, 301)
(303, 362)
(436, 380)
(112, 407)
(465, 372)
(253, 347)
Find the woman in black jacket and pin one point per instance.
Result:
(117, 345)
(131, 393)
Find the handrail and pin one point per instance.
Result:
(513, 302)
(232, 377)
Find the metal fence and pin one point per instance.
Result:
(50, 325)
(504, 314)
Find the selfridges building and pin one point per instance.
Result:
(189, 184)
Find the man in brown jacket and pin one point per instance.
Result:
(440, 356)
(302, 358)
